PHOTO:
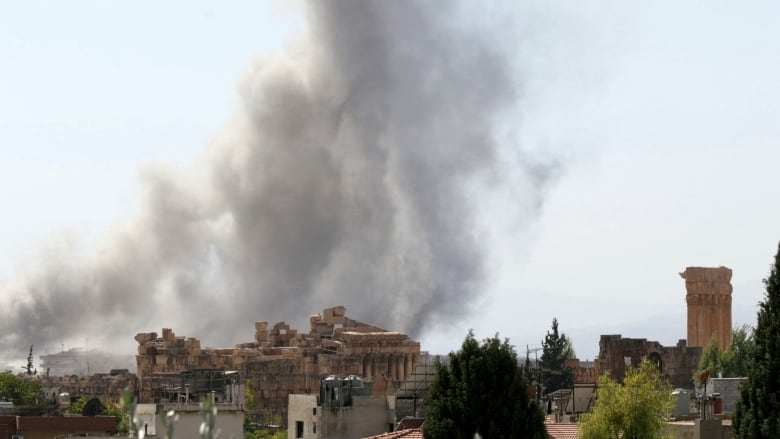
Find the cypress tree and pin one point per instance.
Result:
(556, 350)
(758, 410)
(482, 390)
(29, 369)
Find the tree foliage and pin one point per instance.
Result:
(250, 403)
(758, 410)
(482, 390)
(29, 369)
(635, 409)
(712, 359)
(556, 350)
(250, 425)
(20, 391)
(733, 362)
(109, 409)
(264, 434)
(741, 350)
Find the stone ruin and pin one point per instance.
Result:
(617, 354)
(281, 360)
(708, 295)
(676, 363)
(107, 387)
(709, 305)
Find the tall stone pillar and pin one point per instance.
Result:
(709, 305)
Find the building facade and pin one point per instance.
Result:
(344, 408)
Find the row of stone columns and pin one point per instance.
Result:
(396, 366)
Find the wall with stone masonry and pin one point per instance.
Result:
(677, 363)
(281, 360)
(709, 305)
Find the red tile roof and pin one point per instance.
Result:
(561, 431)
(409, 422)
(554, 431)
(410, 433)
(66, 424)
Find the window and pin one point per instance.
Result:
(314, 411)
(298, 429)
(314, 428)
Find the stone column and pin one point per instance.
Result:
(709, 305)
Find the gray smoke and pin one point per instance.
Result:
(349, 175)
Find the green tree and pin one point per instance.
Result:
(633, 410)
(482, 390)
(20, 391)
(556, 350)
(29, 369)
(106, 409)
(263, 434)
(741, 350)
(713, 359)
(250, 403)
(250, 419)
(758, 409)
(733, 362)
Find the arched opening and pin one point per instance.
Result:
(655, 358)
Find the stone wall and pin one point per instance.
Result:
(584, 374)
(709, 305)
(677, 363)
(108, 387)
(729, 389)
(281, 360)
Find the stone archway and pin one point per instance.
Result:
(655, 358)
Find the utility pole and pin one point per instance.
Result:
(537, 374)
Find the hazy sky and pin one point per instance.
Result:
(657, 124)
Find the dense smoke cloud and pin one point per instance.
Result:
(349, 175)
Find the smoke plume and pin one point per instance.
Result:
(349, 175)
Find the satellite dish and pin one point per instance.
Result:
(92, 407)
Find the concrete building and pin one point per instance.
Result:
(345, 408)
(729, 391)
(302, 417)
(229, 421)
(699, 429)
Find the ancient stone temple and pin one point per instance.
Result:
(281, 360)
(709, 305)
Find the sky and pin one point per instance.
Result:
(608, 145)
